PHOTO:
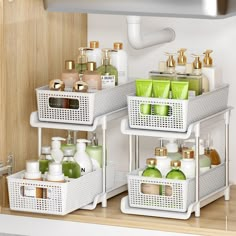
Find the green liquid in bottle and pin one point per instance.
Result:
(43, 165)
(108, 70)
(71, 169)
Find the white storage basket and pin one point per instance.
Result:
(64, 197)
(181, 112)
(91, 105)
(183, 191)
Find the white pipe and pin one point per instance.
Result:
(139, 41)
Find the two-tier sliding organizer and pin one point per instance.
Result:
(94, 110)
(189, 195)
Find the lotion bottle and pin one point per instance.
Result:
(95, 54)
(181, 61)
(56, 152)
(119, 59)
(163, 162)
(82, 157)
(188, 165)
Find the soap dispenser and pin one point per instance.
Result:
(95, 152)
(82, 157)
(181, 61)
(81, 65)
(209, 70)
(109, 73)
(95, 54)
(56, 152)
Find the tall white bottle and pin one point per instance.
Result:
(210, 71)
(82, 158)
(56, 152)
(188, 165)
(119, 59)
(163, 162)
(95, 54)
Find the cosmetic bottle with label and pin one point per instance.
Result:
(33, 173)
(44, 159)
(210, 71)
(188, 165)
(92, 78)
(70, 167)
(119, 60)
(95, 152)
(163, 161)
(181, 61)
(81, 65)
(69, 76)
(95, 54)
(109, 73)
(153, 172)
(82, 157)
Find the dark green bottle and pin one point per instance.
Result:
(151, 171)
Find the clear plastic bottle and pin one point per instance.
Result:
(163, 162)
(153, 172)
(70, 167)
(188, 165)
(44, 159)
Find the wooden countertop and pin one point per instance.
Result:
(217, 218)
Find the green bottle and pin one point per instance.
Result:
(44, 159)
(69, 142)
(109, 73)
(70, 167)
(151, 171)
(95, 152)
(176, 174)
(81, 65)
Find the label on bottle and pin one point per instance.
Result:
(29, 191)
(108, 81)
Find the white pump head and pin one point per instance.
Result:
(81, 144)
(56, 142)
(172, 146)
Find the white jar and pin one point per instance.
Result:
(163, 161)
(188, 165)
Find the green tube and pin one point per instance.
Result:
(179, 89)
(144, 89)
(161, 89)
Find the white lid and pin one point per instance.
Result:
(46, 150)
(56, 142)
(68, 152)
(55, 172)
(172, 146)
(81, 144)
(32, 170)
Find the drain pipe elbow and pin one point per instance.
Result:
(139, 41)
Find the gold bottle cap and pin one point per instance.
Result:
(151, 161)
(160, 151)
(118, 46)
(69, 65)
(182, 59)
(188, 154)
(170, 63)
(80, 86)
(207, 60)
(175, 163)
(91, 66)
(197, 64)
(56, 85)
(94, 44)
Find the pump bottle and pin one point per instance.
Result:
(95, 55)
(56, 152)
(81, 65)
(82, 157)
(181, 61)
(109, 73)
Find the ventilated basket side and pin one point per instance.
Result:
(175, 121)
(177, 201)
(83, 115)
(207, 104)
(112, 99)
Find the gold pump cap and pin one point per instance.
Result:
(56, 85)
(151, 161)
(82, 58)
(69, 65)
(188, 154)
(94, 44)
(175, 163)
(160, 151)
(106, 60)
(182, 59)
(197, 64)
(170, 61)
(91, 66)
(207, 60)
(118, 46)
